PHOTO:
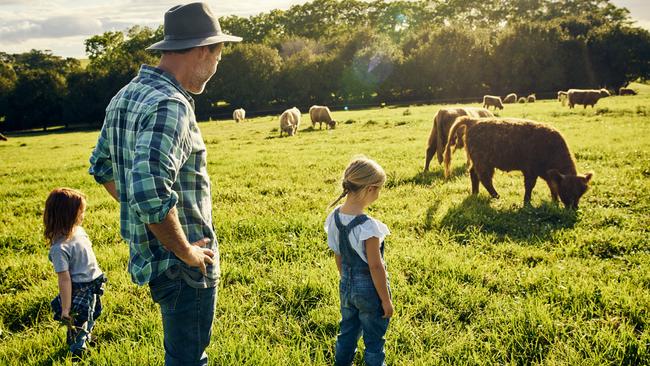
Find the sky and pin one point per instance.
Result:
(63, 25)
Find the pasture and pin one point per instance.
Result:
(474, 280)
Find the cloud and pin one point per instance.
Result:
(55, 27)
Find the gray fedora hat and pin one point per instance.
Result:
(191, 25)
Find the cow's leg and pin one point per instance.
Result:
(429, 155)
(474, 178)
(552, 186)
(529, 183)
(485, 176)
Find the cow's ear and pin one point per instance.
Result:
(555, 175)
(588, 177)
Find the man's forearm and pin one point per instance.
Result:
(112, 190)
(170, 233)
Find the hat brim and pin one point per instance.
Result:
(181, 44)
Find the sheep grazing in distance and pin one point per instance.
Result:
(289, 121)
(239, 115)
(535, 149)
(562, 97)
(531, 98)
(3, 137)
(442, 122)
(522, 100)
(492, 101)
(626, 91)
(510, 98)
(586, 97)
(320, 114)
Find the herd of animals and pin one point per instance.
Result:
(536, 149)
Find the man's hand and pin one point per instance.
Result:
(197, 256)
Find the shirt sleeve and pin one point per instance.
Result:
(162, 147)
(332, 234)
(101, 166)
(60, 258)
(373, 228)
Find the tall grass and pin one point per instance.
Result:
(475, 280)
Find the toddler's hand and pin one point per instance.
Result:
(388, 309)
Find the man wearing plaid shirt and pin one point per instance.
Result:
(151, 158)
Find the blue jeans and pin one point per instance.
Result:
(187, 315)
(361, 313)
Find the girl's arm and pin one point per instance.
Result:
(338, 262)
(378, 273)
(65, 291)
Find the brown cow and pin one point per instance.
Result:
(320, 114)
(492, 101)
(586, 97)
(531, 98)
(510, 98)
(626, 91)
(535, 149)
(442, 123)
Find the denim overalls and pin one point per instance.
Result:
(361, 310)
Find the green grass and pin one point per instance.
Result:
(475, 281)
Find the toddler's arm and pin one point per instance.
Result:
(378, 273)
(65, 291)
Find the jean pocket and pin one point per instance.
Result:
(367, 300)
(165, 293)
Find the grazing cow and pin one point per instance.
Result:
(522, 100)
(626, 91)
(239, 115)
(492, 101)
(3, 137)
(535, 149)
(289, 121)
(442, 123)
(320, 114)
(510, 98)
(586, 97)
(531, 98)
(562, 97)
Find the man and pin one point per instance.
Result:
(151, 158)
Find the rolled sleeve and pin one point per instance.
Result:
(162, 147)
(101, 166)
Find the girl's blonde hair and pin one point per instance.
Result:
(360, 174)
(64, 208)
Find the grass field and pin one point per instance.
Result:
(475, 281)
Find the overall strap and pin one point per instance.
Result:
(348, 255)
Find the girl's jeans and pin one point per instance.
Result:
(361, 313)
(187, 315)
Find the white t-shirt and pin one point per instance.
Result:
(371, 228)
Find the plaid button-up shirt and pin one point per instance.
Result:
(151, 146)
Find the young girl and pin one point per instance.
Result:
(80, 279)
(358, 243)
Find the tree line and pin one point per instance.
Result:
(351, 52)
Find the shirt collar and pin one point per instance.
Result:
(147, 71)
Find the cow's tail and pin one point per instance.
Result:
(461, 123)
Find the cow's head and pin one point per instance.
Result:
(570, 187)
(332, 124)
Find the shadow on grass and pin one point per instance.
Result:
(425, 178)
(520, 223)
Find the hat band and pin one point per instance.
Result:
(192, 36)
